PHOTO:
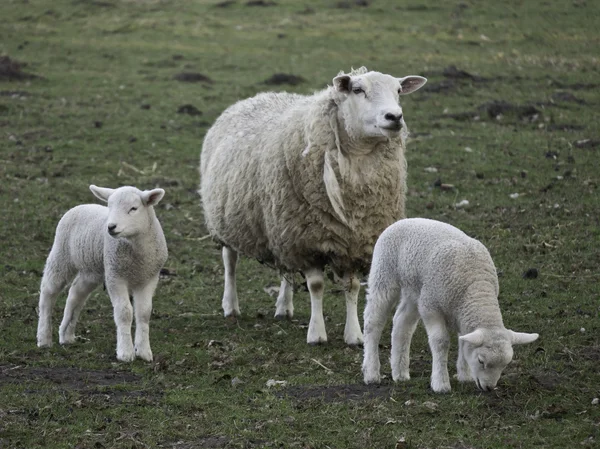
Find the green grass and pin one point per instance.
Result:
(82, 122)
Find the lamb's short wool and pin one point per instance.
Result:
(299, 182)
(122, 245)
(433, 271)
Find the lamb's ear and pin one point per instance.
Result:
(342, 83)
(152, 197)
(475, 337)
(409, 84)
(101, 193)
(521, 338)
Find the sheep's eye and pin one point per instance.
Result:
(358, 90)
(133, 209)
(482, 363)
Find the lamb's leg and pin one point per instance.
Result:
(439, 342)
(50, 288)
(78, 293)
(378, 309)
(316, 328)
(405, 323)
(463, 372)
(231, 305)
(123, 311)
(284, 307)
(352, 334)
(142, 305)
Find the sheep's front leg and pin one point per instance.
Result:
(352, 333)
(78, 293)
(405, 323)
(119, 296)
(284, 307)
(231, 305)
(142, 304)
(316, 328)
(463, 372)
(439, 342)
(378, 309)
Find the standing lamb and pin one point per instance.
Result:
(437, 273)
(299, 182)
(122, 245)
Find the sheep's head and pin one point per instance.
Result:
(368, 102)
(488, 351)
(130, 211)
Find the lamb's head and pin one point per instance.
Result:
(130, 210)
(368, 102)
(488, 351)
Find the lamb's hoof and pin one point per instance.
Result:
(354, 343)
(281, 317)
(44, 344)
(440, 388)
(145, 355)
(125, 356)
(372, 379)
(401, 377)
(318, 342)
(67, 340)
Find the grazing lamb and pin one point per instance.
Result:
(299, 182)
(122, 245)
(436, 273)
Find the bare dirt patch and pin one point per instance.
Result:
(11, 70)
(337, 393)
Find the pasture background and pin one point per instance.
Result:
(517, 114)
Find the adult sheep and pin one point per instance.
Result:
(299, 182)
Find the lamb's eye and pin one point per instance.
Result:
(358, 90)
(482, 363)
(133, 209)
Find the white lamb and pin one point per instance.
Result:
(435, 272)
(122, 245)
(299, 182)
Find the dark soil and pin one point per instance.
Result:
(192, 77)
(337, 393)
(454, 73)
(260, 3)
(567, 97)
(11, 70)
(71, 378)
(189, 109)
(586, 143)
(284, 78)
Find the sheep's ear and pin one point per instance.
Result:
(409, 84)
(152, 197)
(475, 337)
(101, 193)
(342, 83)
(521, 338)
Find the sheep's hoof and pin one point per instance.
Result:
(282, 317)
(317, 343)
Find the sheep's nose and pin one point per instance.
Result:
(393, 117)
(111, 228)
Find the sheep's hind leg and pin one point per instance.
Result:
(405, 322)
(231, 305)
(284, 307)
(81, 288)
(316, 329)
(379, 307)
(439, 343)
(142, 305)
(50, 288)
(123, 312)
(353, 335)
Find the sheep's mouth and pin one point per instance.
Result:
(394, 128)
(114, 233)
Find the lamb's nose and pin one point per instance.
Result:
(112, 227)
(393, 117)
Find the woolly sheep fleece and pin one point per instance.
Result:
(122, 245)
(435, 272)
(294, 181)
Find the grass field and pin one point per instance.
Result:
(511, 107)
